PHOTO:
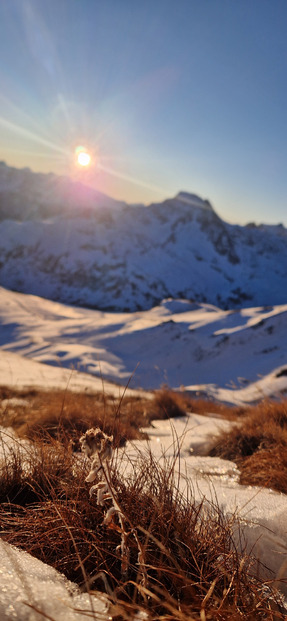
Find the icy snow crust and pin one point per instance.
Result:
(26, 582)
(235, 356)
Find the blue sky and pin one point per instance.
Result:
(167, 95)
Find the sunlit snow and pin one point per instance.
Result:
(236, 356)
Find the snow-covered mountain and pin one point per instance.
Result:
(70, 243)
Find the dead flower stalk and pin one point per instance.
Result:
(98, 447)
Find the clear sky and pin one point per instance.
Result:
(166, 95)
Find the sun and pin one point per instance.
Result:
(83, 157)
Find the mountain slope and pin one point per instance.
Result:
(118, 257)
(194, 345)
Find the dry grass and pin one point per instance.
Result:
(258, 445)
(193, 568)
(170, 404)
(63, 414)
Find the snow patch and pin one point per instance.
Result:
(31, 591)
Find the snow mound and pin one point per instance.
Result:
(31, 590)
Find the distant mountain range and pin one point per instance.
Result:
(68, 242)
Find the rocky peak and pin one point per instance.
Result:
(193, 200)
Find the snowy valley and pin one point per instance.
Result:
(234, 356)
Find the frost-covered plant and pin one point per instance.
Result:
(98, 446)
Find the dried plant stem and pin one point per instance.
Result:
(123, 521)
(98, 447)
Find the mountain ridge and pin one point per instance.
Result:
(49, 194)
(118, 257)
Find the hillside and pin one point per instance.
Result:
(69, 243)
(196, 346)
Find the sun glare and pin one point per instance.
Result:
(83, 157)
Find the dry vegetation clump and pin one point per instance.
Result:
(64, 415)
(258, 445)
(169, 403)
(192, 568)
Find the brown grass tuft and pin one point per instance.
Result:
(64, 415)
(258, 445)
(171, 404)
